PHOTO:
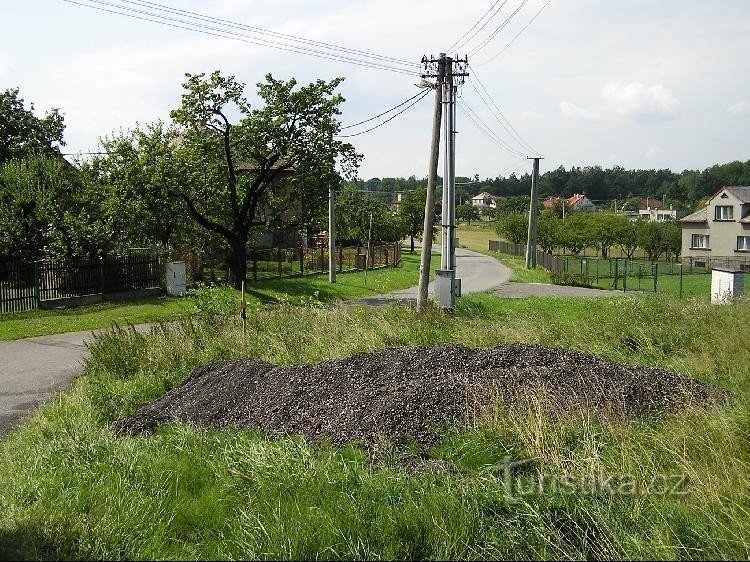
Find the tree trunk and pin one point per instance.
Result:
(412, 244)
(237, 264)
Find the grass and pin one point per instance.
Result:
(349, 285)
(69, 488)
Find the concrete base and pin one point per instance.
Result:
(445, 288)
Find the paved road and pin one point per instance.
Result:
(33, 370)
(478, 273)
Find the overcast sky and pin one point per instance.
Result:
(639, 83)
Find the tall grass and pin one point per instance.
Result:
(69, 488)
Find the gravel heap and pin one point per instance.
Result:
(406, 395)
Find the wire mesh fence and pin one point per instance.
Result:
(275, 263)
(684, 276)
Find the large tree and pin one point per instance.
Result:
(23, 134)
(289, 142)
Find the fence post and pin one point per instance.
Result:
(625, 276)
(301, 261)
(341, 258)
(101, 274)
(617, 271)
(680, 279)
(37, 295)
(278, 261)
(656, 275)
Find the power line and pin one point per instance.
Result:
(391, 118)
(263, 31)
(492, 35)
(460, 43)
(207, 30)
(487, 130)
(517, 35)
(499, 115)
(383, 113)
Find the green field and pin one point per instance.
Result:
(70, 489)
(349, 285)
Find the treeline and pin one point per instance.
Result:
(603, 231)
(684, 190)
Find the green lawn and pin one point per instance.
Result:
(295, 290)
(70, 489)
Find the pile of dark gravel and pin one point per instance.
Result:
(407, 395)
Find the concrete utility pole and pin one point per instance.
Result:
(331, 235)
(429, 206)
(533, 216)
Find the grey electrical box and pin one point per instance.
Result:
(445, 288)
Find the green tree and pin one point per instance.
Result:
(603, 228)
(411, 213)
(353, 210)
(627, 236)
(672, 239)
(287, 144)
(651, 238)
(518, 204)
(575, 232)
(548, 233)
(513, 227)
(467, 212)
(23, 134)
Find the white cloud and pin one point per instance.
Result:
(634, 101)
(640, 101)
(739, 108)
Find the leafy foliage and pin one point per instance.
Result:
(513, 227)
(23, 134)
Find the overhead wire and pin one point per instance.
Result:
(226, 34)
(262, 31)
(501, 51)
(383, 113)
(460, 42)
(478, 122)
(498, 114)
(391, 118)
(497, 30)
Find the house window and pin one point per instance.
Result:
(724, 213)
(700, 242)
(743, 243)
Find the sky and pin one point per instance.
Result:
(635, 83)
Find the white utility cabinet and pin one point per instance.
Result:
(726, 285)
(176, 278)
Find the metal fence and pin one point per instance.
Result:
(546, 260)
(25, 285)
(277, 263)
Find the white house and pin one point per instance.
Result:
(485, 199)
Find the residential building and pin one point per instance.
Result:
(485, 199)
(721, 228)
(578, 202)
(657, 215)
